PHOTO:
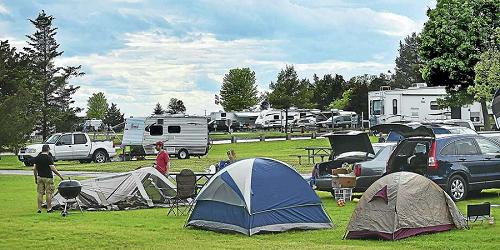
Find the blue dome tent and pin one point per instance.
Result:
(255, 195)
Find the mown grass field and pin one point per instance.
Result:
(21, 228)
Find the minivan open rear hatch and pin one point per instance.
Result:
(352, 141)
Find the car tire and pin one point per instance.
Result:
(100, 156)
(457, 188)
(183, 154)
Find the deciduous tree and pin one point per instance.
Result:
(97, 106)
(239, 90)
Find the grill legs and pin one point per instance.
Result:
(65, 211)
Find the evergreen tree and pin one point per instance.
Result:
(51, 82)
(158, 110)
(407, 63)
(16, 95)
(327, 89)
(97, 106)
(176, 106)
(114, 117)
(239, 90)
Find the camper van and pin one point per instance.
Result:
(418, 103)
(183, 136)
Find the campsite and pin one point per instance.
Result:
(152, 228)
(289, 124)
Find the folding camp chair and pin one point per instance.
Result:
(185, 191)
(478, 212)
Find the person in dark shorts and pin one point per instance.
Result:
(42, 170)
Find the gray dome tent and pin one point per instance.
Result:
(141, 188)
(401, 205)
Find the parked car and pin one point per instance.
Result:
(367, 172)
(460, 164)
(395, 131)
(69, 147)
(347, 147)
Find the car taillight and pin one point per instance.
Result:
(357, 170)
(433, 163)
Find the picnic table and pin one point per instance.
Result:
(313, 152)
(201, 178)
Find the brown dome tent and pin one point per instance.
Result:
(401, 205)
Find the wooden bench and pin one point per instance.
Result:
(322, 156)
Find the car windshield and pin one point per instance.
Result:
(52, 139)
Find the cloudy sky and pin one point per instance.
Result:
(141, 52)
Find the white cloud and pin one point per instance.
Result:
(3, 9)
(154, 67)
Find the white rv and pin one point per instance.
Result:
(182, 136)
(339, 119)
(222, 121)
(273, 118)
(417, 103)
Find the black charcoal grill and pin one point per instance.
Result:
(69, 190)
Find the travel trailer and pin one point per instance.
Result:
(272, 118)
(418, 103)
(183, 136)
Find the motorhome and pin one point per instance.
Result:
(183, 136)
(418, 103)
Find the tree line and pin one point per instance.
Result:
(331, 91)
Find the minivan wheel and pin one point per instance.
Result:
(183, 154)
(457, 188)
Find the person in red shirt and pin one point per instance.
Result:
(162, 163)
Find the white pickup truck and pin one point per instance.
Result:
(70, 147)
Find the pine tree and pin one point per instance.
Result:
(51, 82)
(114, 117)
(158, 110)
(176, 106)
(16, 122)
(407, 63)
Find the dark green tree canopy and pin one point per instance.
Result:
(51, 82)
(289, 91)
(97, 106)
(454, 37)
(407, 71)
(327, 89)
(158, 110)
(16, 98)
(239, 90)
(176, 106)
(114, 117)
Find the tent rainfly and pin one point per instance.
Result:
(401, 205)
(258, 195)
(134, 189)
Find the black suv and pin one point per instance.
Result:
(460, 164)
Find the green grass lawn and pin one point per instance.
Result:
(22, 228)
(280, 150)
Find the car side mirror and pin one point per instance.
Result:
(59, 143)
